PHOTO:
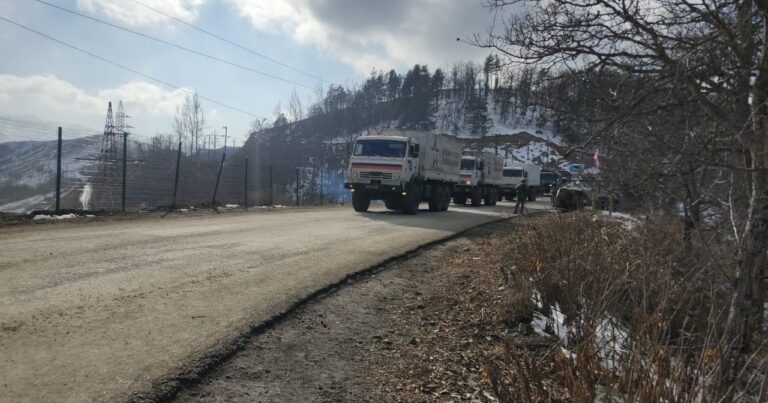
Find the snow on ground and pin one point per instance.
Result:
(535, 152)
(41, 217)
(450, 115)
(628, 221)
(26, 205)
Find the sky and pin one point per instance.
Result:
(339, 41)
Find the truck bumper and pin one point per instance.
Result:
(462, 189)
(375, 190)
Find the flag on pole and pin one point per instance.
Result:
(596, 158)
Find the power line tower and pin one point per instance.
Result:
(107, 190)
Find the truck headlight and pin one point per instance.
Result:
(354, 174)
(395, 176)
(469, 182)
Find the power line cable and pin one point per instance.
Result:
(157, 80)
(203, 30)
(220, 60)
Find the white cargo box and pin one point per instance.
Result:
(493, 165)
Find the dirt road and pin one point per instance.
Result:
(416, 331)
(102, 311)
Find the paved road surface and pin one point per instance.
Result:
(97, 311)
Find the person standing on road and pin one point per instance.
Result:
(521, 192)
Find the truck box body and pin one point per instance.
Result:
(492, 169)
(440, 156)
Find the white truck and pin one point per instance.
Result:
(480, 179)
(514, 174)
(404, 168)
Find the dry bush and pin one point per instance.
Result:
(643, 309)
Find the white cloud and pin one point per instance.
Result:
(373, 33)
(59, 100)
(130, 13)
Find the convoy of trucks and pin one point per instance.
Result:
(480, 179)
(405, 168)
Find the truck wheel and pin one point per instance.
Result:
(411, 202)
(488, 197)
(360, 202)
(532, 195)
(476, 198)
(446, 192)
(436, 198)
(392, 204)
(494, 196)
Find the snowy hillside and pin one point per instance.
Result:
(28, 170)
(516, 135)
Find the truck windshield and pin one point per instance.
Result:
(467, 165)
(548, 177)
(513, 173)
(380, 148)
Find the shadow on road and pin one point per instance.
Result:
(456, 218)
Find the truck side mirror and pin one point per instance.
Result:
(415, 150)
(480, 166)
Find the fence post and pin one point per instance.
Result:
(218, 178)
(176, 179)
(271, 192)
(58, 173)
(321, 187)
(245, 196)
(125, 167)
(297, 186)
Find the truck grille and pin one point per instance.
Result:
(376, 175)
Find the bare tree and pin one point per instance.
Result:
(190, 122)
(711, 55)
(295, 109)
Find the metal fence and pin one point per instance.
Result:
(45, 167)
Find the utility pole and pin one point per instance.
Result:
(215, 142)
(225, 138)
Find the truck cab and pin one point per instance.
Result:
(383, 163)
(549, 181)
(470, 172)
(512, 177)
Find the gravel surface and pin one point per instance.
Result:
(421, 329)
(104, 311)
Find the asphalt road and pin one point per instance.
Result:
(99, 311)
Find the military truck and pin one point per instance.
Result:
(404, 168)
(514, 174)
(480, 179)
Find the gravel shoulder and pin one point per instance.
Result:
(119, 310)
(420, 329)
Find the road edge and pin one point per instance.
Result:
(165, 388)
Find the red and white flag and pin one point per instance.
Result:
(596, 158)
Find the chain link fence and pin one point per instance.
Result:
(44, 167)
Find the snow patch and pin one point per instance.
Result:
(41, 217)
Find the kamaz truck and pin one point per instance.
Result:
(479, 180)
(404, 168)
(514, 174)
